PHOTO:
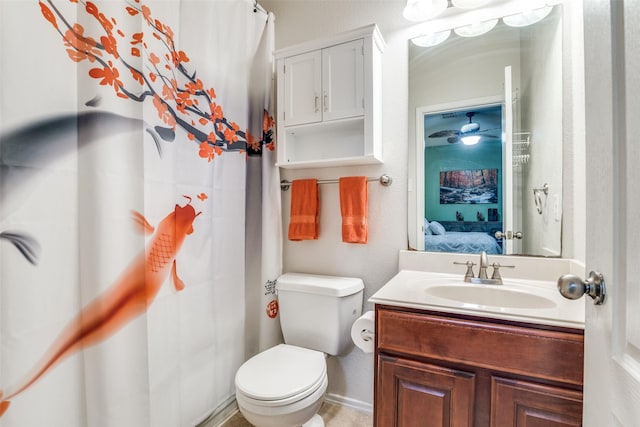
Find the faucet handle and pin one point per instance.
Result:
(496, 270)
(468, 275)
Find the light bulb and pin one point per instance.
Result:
(423, 10)
(527, 17)
(431, 39)
(476, 29)
(469, 4)
(470, 140)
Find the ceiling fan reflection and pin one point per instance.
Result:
(468, 130)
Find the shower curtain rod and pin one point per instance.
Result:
(384, 179)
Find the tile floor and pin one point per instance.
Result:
(334, 415)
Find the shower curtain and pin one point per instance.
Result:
(125, 133)
(264, 220)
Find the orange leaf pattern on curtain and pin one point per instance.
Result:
(177, 94)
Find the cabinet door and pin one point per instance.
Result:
(303, 88)
(343, 80)
(526, 404)
(412, 394)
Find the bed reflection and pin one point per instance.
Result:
(438, 239)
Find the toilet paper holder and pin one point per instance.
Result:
(363, 332)
(367, 335)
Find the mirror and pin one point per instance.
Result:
(505, 88)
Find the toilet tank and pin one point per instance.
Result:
(317, 312)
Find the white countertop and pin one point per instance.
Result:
(420, 289)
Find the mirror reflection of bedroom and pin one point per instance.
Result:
(488, 132)
(463, 180)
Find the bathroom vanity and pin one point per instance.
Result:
(443, 360)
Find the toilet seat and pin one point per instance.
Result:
(281, 375)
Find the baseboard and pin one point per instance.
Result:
(358, 405)
(221, 414)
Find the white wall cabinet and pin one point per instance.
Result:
(326, 84)
(302, 88)
(329, 101)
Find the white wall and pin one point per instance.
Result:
(351, 376)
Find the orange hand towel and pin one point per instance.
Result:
(303, 221)
(354, 203)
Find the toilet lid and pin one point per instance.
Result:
(281, 372)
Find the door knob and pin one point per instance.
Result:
(573, 287)
(508, 235)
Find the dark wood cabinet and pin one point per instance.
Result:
(422, 394)
(528, 404)
(448, 370)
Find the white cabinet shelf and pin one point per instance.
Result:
(335, 143)
(329, 101)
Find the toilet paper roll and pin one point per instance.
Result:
(362, 332)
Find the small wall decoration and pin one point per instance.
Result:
(270, 287)
(272, 309)
(469, 186)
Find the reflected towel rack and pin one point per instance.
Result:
(521, 144)
(537, 197)
(384, 180)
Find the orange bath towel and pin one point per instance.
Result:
(303, 222)
(354, 203)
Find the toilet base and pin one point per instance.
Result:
(316, 421)
(289, 419)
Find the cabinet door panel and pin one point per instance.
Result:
(525, 404)
(343, 80)
(302, 88)
(412, 394)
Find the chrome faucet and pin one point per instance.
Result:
(483, 278)
(484, 263)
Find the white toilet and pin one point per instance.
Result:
(284, 386)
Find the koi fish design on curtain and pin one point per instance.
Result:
(126, 299)
(142, 67)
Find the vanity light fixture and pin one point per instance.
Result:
(423, 10)
(476, 29)
(527, 17)
(431, 39)
(472, 23)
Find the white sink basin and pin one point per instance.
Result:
(531, 301)
(490, 295)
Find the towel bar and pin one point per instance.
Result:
(384, 180)
(537, 197)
